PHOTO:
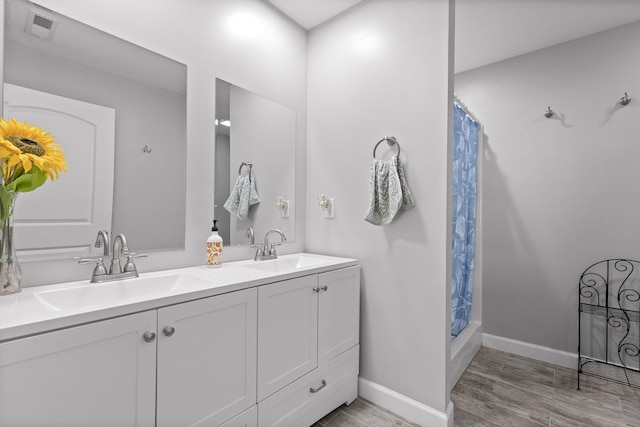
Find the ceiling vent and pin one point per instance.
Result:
(41, 25)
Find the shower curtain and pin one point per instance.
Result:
(465, 160)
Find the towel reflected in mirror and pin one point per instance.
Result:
(242, 197)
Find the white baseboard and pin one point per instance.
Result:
(404, 406)
(424, 415)
(532, 351)
(463, 350)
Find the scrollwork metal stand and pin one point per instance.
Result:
(609, 321)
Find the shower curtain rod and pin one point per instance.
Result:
(465, 108)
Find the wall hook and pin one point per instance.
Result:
(625, 99)
(548, 113)
(146, 149)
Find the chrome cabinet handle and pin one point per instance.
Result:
(149, 336)
(169, 330)
(316, 289)
(315, 390)
(324, 288)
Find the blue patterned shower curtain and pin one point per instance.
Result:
(465, 178)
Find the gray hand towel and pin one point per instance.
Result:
(388, 191)
(242, 197)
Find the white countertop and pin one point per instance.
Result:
(30, 312)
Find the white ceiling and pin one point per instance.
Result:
(492, 30)
(310, 13)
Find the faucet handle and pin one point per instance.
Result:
(272, 249)
(99, 270)
(260, 250)
(136, 255)
(130, 266)
(88, 260)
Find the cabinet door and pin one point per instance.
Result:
(100, 373)
(338, 312)
(287, 332)
(207, 362)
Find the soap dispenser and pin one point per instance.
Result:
(214, 247)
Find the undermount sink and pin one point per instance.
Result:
(282, 265)
(93, 294)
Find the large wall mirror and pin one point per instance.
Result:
(255, 160)
(127, 162)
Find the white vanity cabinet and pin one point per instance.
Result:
(268, 344)
(308, 335)
(101, 373)
(104, 373)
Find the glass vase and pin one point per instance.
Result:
(10, 271)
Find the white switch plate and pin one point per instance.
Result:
(330, 211)
(285, 211)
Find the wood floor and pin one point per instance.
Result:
(362, 413)
(501, 389)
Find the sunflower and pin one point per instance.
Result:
(23, 147)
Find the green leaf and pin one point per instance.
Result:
(6, 198)
(27, 182)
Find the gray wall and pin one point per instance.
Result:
(559, 193)
(382, 69)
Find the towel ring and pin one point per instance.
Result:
(248, 165)
(391, 141)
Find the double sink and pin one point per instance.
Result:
(83, 295)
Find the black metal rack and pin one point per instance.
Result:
(609, 321)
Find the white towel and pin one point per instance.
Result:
(388, 191)
(242, 197)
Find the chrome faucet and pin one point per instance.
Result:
(249, 235)
(102, 241)
(120, 247)
(267, 250)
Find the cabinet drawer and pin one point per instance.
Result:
(248, 418)
(309, 398)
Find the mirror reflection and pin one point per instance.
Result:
(136, 187)
(254, 165)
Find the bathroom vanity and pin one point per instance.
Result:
(249, 344)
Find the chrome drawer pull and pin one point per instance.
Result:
(315, 390)
(168, 330)
(324, 288)
(316, 289)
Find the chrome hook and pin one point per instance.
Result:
(146, 149)
(548, 113)
(625, 99)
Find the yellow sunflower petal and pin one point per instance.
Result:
(51, 162)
